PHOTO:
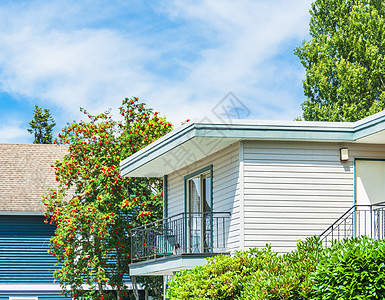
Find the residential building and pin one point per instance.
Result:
(238, 184)
(25, 266)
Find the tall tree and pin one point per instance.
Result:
(344, 60)
(41, 126)
(92, 242)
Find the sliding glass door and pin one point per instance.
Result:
(199, 213)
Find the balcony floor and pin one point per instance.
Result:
(168, 265)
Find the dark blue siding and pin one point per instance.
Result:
(24, 241)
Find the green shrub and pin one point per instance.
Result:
(287, 277)
(222, 277)
(352, 269)
(252, 274)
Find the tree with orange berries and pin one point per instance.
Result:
(94, 208)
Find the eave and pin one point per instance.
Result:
(196, 140)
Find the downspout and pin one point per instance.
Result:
(241, 197)
(165, 200)
(165, 214)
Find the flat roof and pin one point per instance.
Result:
(197, 139)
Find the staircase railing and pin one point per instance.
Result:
(359, 220)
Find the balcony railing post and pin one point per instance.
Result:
(223, 229)
(382, 223)
(354, 223)
(211, 246)
(185, 233)
(371, 221)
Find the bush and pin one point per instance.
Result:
(222, 277)
(288, 277)
(252, 274)
(352, 269)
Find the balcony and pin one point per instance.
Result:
(181, 241)
(359, 220)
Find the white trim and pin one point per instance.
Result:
(39, 287)
(241, 196)
(23, 298)
(21, 213)
(30, 287)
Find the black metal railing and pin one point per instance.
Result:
(181, 234)
(359, 220)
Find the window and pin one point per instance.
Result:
(198, 208)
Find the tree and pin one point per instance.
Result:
(41, 126)
(92, 242)
(344, 60)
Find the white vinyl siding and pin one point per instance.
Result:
(293, 190)
(225, 188)
(290, 191)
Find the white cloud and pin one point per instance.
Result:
(72, 69)
(247, 35)
(95, 67)
(14, 134)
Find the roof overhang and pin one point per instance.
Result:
(196, 140)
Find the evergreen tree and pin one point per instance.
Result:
(344, 60)
(41, 126)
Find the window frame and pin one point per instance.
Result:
(202, 171)
(196, 174)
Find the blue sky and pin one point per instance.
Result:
(180, 57)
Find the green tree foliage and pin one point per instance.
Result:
(253, 274)
(41, 126)
(352, 269)
(93, 207)
(344, 60)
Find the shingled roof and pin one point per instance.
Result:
(26, 174)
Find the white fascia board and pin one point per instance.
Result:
(369, 126)
(30, 287)
(20, 213)
(291, 132)
(46, 287)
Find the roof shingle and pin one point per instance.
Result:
(26, 174)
